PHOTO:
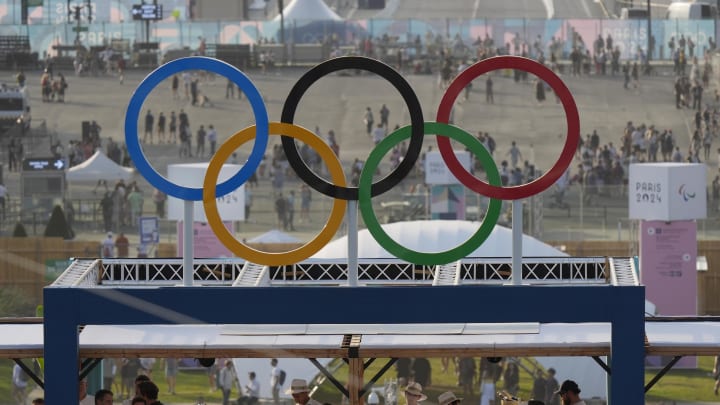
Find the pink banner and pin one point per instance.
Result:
(206, 244)
(668, 270)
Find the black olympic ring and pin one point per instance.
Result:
(416, 121)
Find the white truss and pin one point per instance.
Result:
(237, 272)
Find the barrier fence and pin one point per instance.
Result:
(580, 213)
(416, 36)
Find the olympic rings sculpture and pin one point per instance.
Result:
(338, 190)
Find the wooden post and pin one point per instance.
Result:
(355, 380)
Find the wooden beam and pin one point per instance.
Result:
(356, 380)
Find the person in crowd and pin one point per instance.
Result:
(85, 399)
(448, 398)
(103, 397)
(108, 246)
(422, 371)
(569, 393)
(551, 386)
(19, 384)
(171, 370)
(277, 377)
(402, 369)
(149, 122)
(149, 391)
(251, 391)
(122, 245)
(466, 375)
(414, 393)
(226, 380)
(539, 384)
(511, 378)
(301, 393)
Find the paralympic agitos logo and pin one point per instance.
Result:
(684, 193)
(336, 188)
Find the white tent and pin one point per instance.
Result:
(99, 167)
(315, 10)
(274, 236)
(436, 236)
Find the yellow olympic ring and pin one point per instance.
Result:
(256, 256)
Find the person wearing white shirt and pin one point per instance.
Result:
(85, 399)
(212, 138)
(19, 382)
(275, 385)
(251, 391)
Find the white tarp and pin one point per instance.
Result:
(436, 236)
(99, 167)
(309, 10)
(274, 236)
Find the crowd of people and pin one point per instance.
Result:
(131, 380)
(122, 205)
(487, 377)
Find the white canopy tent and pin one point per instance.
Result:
(293, 343)
(436, 236)
(686, 338)
(99, 167)
(314, 10)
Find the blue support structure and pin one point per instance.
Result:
(623, 307)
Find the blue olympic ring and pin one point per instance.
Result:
(132, 138)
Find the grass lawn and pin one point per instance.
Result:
(685, 385)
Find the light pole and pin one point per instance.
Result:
(281, 6)
(649, 29)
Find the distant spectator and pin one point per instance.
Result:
(149, 122)
(108, 245)
(422, 371)
(159, 199)
(122, 245)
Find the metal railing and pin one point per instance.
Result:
(231, 271)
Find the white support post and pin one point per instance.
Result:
(517, 235)
(188, 245)
(352, 239)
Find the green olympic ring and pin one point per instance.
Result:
(409, 255)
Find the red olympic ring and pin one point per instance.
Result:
(572, 117)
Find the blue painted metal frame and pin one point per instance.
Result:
(66, 308)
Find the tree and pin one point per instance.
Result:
(58, 226)
(19, 231)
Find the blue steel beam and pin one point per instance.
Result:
(623, 307)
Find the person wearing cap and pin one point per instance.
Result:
(414, 394)
(301, 392)
(448, 398)
(569, 392)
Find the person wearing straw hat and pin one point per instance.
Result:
(301, 392)
(414, 394)
(448, 398)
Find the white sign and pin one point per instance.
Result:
(231, 206)
(667, 191)
(436, 170)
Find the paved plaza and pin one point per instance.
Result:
(337, 102)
